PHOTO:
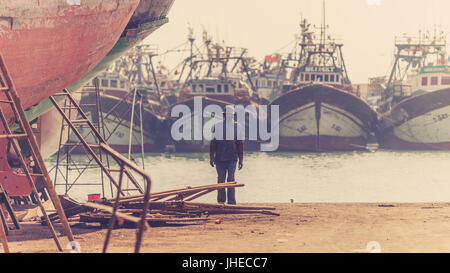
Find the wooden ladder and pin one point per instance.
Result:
(40, 170)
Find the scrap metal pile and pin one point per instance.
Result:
(173, 207)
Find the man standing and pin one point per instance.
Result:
(224, 155)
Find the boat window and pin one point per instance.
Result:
(122, 84)
(269, 83)
(226, 88)
(337, 78)
(104, 83)
(113, 83)
(313, 77)
(275, 84)
(327, 78)
(163, 84)
(200, 86)
(331, 78)
(434, 81)
(307, 77)
(302, 77)
(210, 90)
(424, 81)
(257, 83)
(219, 88)
(193, 88)
(319, 78)
(445, 81)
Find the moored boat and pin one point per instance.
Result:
(321, 118)
(416, 108)
(320, 112)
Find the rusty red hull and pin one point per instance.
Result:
(49, 45)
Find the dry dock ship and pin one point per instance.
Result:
(416, 101)
(49, 45)
(320, 112)
(149, 16)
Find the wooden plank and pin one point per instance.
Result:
(110, 210)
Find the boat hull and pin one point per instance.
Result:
(149, 16)
(320, 118)
(421, 122)
(49, 45)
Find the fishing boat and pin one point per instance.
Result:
(192, 145)
(269, 80)
(416, 102)
(319, 111)
(121, 122)
(214, 77)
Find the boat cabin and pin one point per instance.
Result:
(112, 84)
(326, 75)
(223, 89)
(430, 78)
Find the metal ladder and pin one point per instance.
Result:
(13, 101)
(126, 167)
(64, 160)
(91, 148)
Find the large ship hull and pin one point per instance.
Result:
(149, 16)
(421, 122)
(49, 45)
(320, 118)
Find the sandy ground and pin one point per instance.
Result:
(346, 227)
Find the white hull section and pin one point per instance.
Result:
(299, 122)
(432, 127)
(338, 122)
(334, 121)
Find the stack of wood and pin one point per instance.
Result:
(169, 207)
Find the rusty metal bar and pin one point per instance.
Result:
(112, 221)
(142, 226)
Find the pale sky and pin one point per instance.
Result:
(367, 27)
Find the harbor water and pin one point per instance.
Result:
(381, 176)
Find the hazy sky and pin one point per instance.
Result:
(367, 27)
